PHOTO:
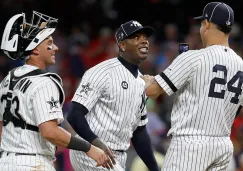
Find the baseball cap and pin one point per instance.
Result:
(218, 13)
(131, 27)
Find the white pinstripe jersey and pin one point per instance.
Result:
(208, 83)
(37, 102)
(115, 100)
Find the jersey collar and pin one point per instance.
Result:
(131, 67)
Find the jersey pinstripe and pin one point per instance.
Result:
(198, 153)
(115, 100)
(38, 102)
(208, 83)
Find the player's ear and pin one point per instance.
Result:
(207, 24)
(122, 46)
(35, 51)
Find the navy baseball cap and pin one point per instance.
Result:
(218, 13)
(131, 27)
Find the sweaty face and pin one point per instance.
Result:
(47, 50)
(137, 47)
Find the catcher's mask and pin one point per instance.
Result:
(20, 37)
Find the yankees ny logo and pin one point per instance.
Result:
(143, 103)
(136, 24)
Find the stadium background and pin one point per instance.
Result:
(85, 37)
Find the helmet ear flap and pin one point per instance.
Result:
(17, 28)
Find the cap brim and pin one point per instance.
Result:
(199, 18)
(147, 30)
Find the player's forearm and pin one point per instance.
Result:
(153, 90)
(60, 137)
(140, 140)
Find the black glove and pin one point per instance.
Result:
(98, 143)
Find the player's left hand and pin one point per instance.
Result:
(98, 155)
(98, 143)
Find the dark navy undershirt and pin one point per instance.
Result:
(131, 67)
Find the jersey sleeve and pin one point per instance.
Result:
(177, 74)
(46, 105)
(91, 88)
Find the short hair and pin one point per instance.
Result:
(224, 29)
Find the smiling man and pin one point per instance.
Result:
(108, 108)
(31, 99)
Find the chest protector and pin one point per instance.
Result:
(18, 121)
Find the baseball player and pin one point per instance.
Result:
(108, 108)
(208, 87)
(31, 100)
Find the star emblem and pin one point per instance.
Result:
(86, 88)
(53, 103)
(120, 37)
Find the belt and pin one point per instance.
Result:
(4, 153)
(27, 154)
(21, 154)
(121, 151)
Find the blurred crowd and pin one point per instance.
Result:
(87, 44)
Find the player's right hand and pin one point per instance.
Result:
(99, 156)
(148, 79)
(98, 143)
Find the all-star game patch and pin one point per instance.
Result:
(86, 88)
(53, 103)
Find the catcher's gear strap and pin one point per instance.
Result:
(19, 122)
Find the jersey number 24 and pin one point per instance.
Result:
(222, 81)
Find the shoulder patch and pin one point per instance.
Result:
(86, 88)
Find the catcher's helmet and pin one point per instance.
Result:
(20, 37)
